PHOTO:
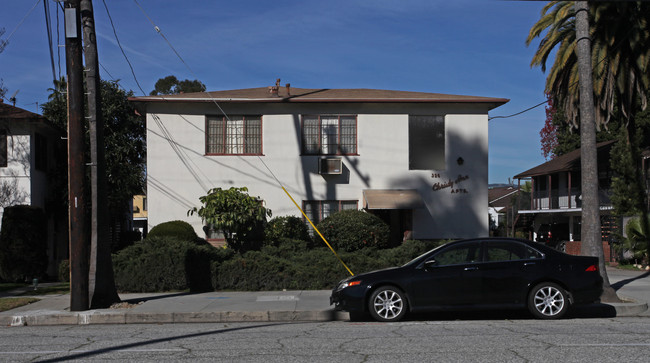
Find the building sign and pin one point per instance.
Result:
(450, 184)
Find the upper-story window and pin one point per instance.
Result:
(329, 135)
(40, 152)
(427, 142)
(234, 135)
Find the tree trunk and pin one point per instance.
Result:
(102, 291)
(591, 230)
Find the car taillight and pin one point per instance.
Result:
(592, 268)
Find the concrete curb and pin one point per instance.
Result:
(105, 316)
(48, 318)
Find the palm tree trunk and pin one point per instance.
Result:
(591, 230)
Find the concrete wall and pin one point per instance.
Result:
(178, 172)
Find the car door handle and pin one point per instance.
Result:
(470, 268)
(529, 263)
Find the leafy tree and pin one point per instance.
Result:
(236, 214)
(170, 85)
(124, 138)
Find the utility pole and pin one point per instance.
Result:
(77, 224)
(102, 292)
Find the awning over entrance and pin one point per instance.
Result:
(392, 199)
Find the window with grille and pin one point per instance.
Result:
(317, 210)
(235, 135)
(329, 135)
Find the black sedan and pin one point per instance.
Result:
(475, 274)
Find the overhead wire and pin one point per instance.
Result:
(604, 58)
(110, 19)
(48, 29)
(6, 41)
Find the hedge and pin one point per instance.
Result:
(166, 264)
(23, 244)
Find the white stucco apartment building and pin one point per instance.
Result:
(29, 146)
(417, 160)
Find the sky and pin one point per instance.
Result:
(463, 47)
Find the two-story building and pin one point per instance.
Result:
(29, 146)
(417, 160)
(556, 202)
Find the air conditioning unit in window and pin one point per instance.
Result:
(330, 166)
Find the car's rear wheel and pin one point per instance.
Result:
(387, 303)
(548, 301)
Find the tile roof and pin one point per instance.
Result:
(9, 112)
(566, 162)
(264, 94)
(500, 196)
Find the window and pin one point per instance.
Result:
(427, 143)
(329, 135)
(3, 148)
(507, 251)
(317, 210)
(236, 135)
(456, 255)
(40, 152)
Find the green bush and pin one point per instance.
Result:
(23, 244)
(64, 271)
(166, 264)
(352, 230)
(178, 229)
(287, 227)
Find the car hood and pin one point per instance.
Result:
(373, 274)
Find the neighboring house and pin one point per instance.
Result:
(417, 160)
(500, 209)
(556, 203)
(29, 144)
(140, 214)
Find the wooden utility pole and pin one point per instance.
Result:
(101, 279)
(77, 224)
(592, 244)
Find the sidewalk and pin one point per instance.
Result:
(267, 306)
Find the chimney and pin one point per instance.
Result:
(273, 90)
(288, 85)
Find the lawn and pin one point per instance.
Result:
(8, 303)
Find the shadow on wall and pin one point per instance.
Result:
(455, 198)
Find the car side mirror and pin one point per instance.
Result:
(429, 264)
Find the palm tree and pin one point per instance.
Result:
(620, 36)
(617, 61)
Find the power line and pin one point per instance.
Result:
(4, 43)
(48, 28)
(181, 58)
(520, 112)
(121, 49)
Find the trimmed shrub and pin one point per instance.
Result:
(352, 230)
(166, 264)
(177, 229)
(286, 227)
(273, 268)
(23, 244)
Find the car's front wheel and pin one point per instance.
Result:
(548, 301)
(387, 303)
